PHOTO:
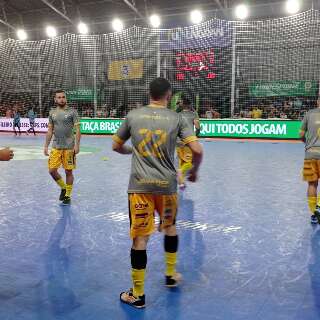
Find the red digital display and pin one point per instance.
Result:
(196, 64)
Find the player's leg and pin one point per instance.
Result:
(14, 129)
(69, 164)
(185, 164)
(19, 126)
(54, 162)
(141, 211)
(167, 207)
(310, 175)
(69, 186)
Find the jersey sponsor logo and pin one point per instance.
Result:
(160, 183)
(141, 215)
(141, 206)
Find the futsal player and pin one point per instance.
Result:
(183, 151)
(16, 121)
(154, 130)
(62, 122)
(310, 134)
(32, 116)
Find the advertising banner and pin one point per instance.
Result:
(41, 124)
(283, 88)
(213, 34)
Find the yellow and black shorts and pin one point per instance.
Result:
(142, 208)
(64, 157)
(311, 170)
(184, 155)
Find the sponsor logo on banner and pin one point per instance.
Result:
(250, 129)
(283, 88)
(100, 126)
(80, 94)
(273, 129)
(125, 69)
(214, 33)
(40, 124)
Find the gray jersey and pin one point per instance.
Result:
(63, 122)
(31, 115)
(190, 117)
(154, 132)
(311, 127)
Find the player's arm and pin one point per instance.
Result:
(196, 124)
(119, 139)
(197, 155)
(121, 148)
(78, 138)
(76, 123)
(6, 154)
(302, 135)
(188, 138)
(48, 139)
(303, 128)
(48, 136)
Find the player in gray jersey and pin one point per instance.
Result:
(310, 134)
(62, 122)
(153, 181)
(183, 151)
(32, 117)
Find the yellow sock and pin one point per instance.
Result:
(318, 202)
(61, 183)
(312, 202)
(138, 281)
(171, 261)
(68, 190)
(186, 167)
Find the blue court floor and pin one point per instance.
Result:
(247, 249)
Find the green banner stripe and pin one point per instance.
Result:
(272, 129)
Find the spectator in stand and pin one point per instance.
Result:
(297, 104)
(215, 114)
(272, 113)
(99, 113)
(209, 114)
(9, 113)
(256, 113)
(283, 115)
(113, 113)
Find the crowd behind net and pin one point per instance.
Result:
(259, 69)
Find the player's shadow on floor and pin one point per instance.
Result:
(57, 262)
(314, 269)
(192, 247)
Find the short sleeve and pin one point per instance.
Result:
(304, 124)
(76, 120)
(185, 132)
(50, 119)
(123, 133)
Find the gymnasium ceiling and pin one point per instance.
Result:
(34, 15)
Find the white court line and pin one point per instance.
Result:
(182, 224)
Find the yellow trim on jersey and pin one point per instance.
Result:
(116, 139)
(77, 124)
(189, 139)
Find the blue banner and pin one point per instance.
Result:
(212, 34)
